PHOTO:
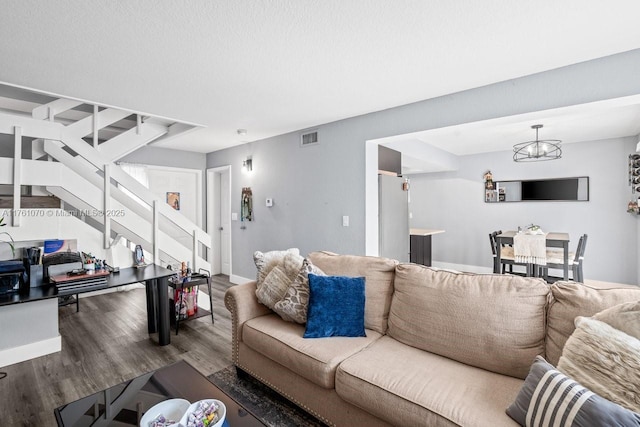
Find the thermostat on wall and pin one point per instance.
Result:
(269, 202)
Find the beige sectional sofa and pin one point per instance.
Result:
(442, 348)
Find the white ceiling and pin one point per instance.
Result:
(273, 67)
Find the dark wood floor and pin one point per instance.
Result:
(107, 343)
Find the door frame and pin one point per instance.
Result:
(213, 198)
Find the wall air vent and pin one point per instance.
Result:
(309, 138)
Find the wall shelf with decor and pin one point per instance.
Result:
(634, 181)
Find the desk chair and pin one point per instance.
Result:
(555, 260)
(507, 258)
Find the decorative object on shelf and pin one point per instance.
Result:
(538, 150)
(246, 205)
(488, 180)
(173, 199)
(634, 182)
(489, 193)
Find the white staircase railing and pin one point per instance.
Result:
(86, 176)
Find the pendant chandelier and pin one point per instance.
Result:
(538, 150)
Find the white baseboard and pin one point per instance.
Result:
(238, 280)
(30, 351)
(462, 267)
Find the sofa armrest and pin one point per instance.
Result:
(243, 305)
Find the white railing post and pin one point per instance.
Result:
(17, 174)
(154, 234)
(106, 205)
(95, 126)
(194, 248)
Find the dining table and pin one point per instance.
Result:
(553, 240)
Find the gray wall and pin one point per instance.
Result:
(314, 186)
(454, 201)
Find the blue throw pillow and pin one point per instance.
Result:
(336, 307)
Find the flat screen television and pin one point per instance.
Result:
(561, 189)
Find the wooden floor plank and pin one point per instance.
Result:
(107, 343)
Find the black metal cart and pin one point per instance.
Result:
(202, 277)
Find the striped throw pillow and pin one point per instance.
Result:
(550, 398)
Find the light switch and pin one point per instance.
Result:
(234, 216)
(269, 202)
(345, 221)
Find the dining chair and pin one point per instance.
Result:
(555, 260)
(507, 257)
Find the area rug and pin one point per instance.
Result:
(271, 408)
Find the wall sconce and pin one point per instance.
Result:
(247, 165)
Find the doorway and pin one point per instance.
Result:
(219, 218)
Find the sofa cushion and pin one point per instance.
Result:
(336, 307)
(410, 387)
(495, 322)
(549, 397)
(316, 360)
(571, 299)
(378, 273)
(605, 360)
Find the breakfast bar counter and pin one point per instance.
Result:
(420, 245)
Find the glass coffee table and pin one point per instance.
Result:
(125, 403)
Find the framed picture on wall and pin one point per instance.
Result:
(173, 200)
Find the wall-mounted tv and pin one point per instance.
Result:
(555, 189)
(559, 189)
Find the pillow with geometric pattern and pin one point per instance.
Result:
(550, 398)
(294, 305)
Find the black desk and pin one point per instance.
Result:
(154, 277)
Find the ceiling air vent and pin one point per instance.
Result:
(309, 138)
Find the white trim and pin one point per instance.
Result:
(371, 234)
(239, 280)
(211, 172)
(29, 351)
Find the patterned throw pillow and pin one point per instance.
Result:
(604, 359)
(293, 307)
(273, 287)
(550, 398)
(266, 261)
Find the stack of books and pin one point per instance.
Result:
(68, 284)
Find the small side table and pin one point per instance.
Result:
(203, 277)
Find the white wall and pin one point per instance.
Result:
(454, 201)
(187, 183)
